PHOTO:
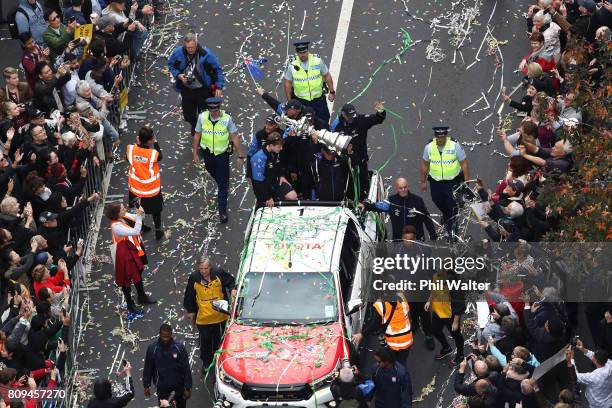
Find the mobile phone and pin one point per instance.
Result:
(124, 362)
(64, 311)
(71, 19)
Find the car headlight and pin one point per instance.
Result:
(228, 379)
(326, 380)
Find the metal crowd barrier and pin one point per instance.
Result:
(97, 180)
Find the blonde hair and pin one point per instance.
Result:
(534, 70)
(10, 71)
(522, 353)
(7, 203)
(38, 272)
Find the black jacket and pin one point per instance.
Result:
(103, 395)
(43, 92)
(331, 177)
(358, 129)
(227, 281)
(399, 210)
(542, 344)
(167, 366)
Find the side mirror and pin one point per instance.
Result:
(221, 306)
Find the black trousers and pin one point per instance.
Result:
(361, 181)
(401, 356)
(210, 340)
(192, 103)
(152, 205)
(164, 393)
(437, 324)
(420, 318)
(442, 196)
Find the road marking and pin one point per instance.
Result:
(339, 43)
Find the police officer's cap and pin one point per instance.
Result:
(214, 102)
(271, 118)
(440, 130)
(301, 45)
(293, 104)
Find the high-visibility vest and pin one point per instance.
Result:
(143, 176)
(398, 334)
(215, 136)
(134, 239)
(205, 294)
(307, 84)
(443, 166)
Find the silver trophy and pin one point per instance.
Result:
(333, 140)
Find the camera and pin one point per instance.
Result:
(190, 77)
(574, 341)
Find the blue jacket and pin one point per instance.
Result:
(207, 64)
(167, 367)
(34, 22)
(393, 388)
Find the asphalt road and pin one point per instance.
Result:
(420, 93)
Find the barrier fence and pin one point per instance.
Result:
(98, 178)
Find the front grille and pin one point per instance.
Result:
(266, 392)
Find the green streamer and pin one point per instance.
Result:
(380, 169)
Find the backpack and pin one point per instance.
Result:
(12, 22)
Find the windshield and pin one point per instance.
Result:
(287, 298)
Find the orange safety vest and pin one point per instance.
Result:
(143, 176)
(398, 334)
(134, 239)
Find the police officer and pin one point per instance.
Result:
(405, 208)
(331, 174)
(144, 179)
(393, 319)
(214, 133)
(357, 125)
(258, 140)
(445, 166)
(203, 287)
(198, 75)
(304, 78)
(269, 182)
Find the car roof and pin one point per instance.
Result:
(295, 239)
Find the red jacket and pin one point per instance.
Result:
(128, 265)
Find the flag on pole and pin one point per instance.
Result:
(254, 67)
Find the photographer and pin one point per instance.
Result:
(198, 75)
(58, 36)
(103, 393)
(48, 86)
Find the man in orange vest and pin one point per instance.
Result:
(392, 319)
(144, 180)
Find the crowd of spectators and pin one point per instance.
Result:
(58, 128)
(564, 38)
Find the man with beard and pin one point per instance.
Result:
(198, 75)
(167, 365)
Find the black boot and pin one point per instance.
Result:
(143, 298)
(159, 234)
(145, 228)
(127, 294)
